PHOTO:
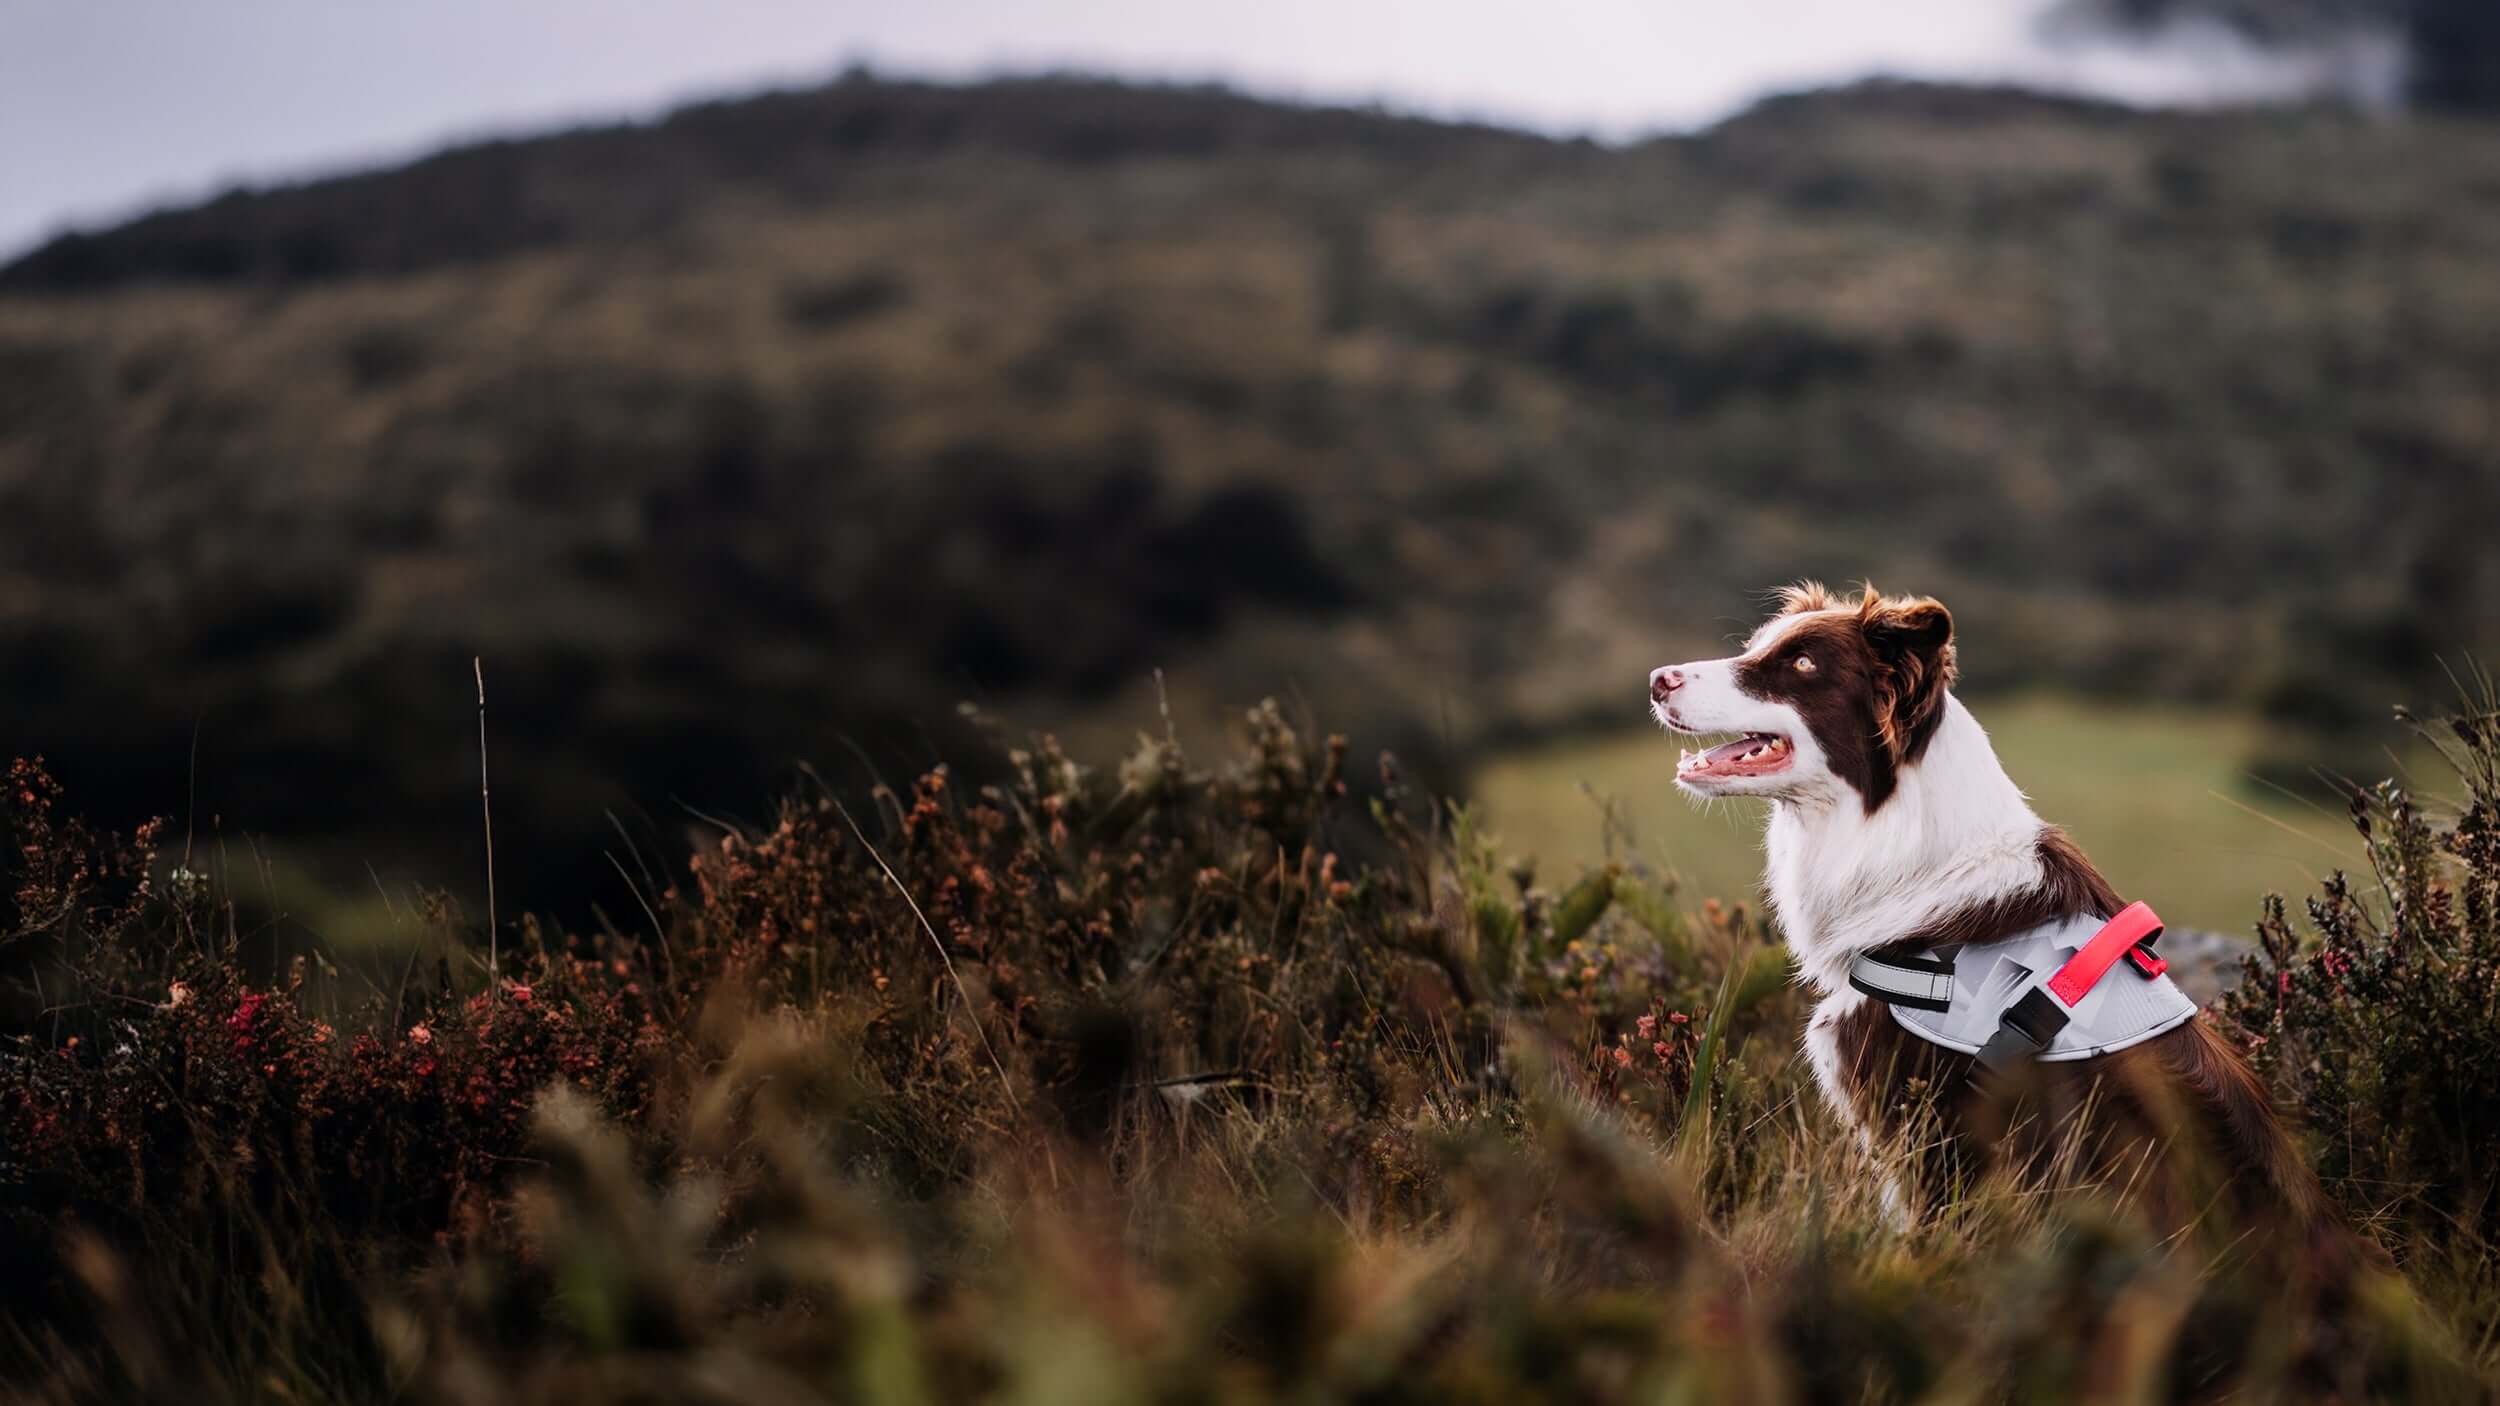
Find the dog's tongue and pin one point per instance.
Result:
(1727, 752)
(1743, 756)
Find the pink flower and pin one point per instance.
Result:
(419, 1034)
(519, 993)
(178, 994)
(247, 1010)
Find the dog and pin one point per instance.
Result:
(1896, 835)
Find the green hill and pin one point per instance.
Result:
(795, 419)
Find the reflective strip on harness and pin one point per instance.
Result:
(1924, 983)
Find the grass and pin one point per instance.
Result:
(2160, 796)
(1262, 1083)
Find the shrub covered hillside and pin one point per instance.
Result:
(824, 409)
(1266, 1083)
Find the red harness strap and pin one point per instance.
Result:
(2134, 925)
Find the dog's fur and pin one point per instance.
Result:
(1893, 827)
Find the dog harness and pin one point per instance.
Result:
(2048, 994)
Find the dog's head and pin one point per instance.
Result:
(1829, 693)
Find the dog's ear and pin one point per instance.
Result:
(1900, 626)
(1912, 637)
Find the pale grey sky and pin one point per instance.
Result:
(110, 106)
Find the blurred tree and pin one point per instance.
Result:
(2452, 47)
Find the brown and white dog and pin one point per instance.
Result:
(1894, 829)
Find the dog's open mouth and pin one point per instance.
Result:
(1754, 754)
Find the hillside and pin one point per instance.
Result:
(793, 420)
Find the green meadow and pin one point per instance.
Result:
(2163, 797)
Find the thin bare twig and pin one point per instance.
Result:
(712, 820)
(633, 850)
(191, 818)
(966, 996)
(486, 806)
(658, 930)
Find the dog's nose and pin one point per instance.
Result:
(1664, 682)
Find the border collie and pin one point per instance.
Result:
(1894, 831)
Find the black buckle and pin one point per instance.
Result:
(2024, 1030)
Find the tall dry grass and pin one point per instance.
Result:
(1257, 1082)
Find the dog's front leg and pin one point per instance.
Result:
(1831, 1075)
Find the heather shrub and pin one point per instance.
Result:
(2375, 1015)
(1261, 1081)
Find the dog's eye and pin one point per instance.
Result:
(1805, 663)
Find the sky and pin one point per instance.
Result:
(109, 107)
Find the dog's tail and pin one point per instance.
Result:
(2241, 1130)
(2366, 1334)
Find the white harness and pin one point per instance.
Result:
(2001, 1000)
